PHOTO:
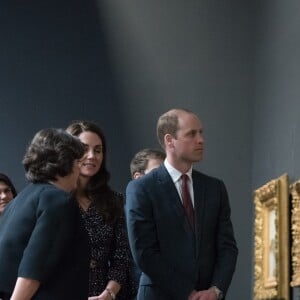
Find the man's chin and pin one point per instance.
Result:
(198, 158)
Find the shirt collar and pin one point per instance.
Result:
(174, 173)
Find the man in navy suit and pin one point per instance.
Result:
(183, 254)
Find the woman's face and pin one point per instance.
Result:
(93, 157)
(6, 195)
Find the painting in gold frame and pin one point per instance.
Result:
(271, 240)
(295, 232)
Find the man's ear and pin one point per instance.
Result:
(137, 175)
(168, 140)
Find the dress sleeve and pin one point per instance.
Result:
(120, 253)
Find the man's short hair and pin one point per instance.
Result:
(168, 124)
(140, 160)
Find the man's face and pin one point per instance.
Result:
(188, 145)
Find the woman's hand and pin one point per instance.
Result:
(103, 296)
(109, 293)
(25, 288)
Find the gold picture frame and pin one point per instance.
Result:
(271, 240)
(295, 232)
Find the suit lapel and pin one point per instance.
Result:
(170, 194)
(199, 206)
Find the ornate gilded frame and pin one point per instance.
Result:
(271, 240)
(295, 233)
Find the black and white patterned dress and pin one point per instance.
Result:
(110, 252)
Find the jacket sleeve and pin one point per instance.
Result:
(227, 250)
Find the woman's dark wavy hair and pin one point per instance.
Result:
(108, 203)
(8, 182)
(51, 153)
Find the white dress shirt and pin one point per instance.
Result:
(176, 177)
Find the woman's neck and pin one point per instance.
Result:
(84, 202)
(81, 196)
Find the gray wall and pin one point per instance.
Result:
(276, 114)
(54, 69)
(276, 125)
(123, 63)
(198, 55)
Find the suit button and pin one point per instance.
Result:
(93, 264)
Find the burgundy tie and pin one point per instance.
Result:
(186, 199)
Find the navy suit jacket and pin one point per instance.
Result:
(173, 258)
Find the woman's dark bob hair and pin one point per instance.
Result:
(7, 181)
(51, 153)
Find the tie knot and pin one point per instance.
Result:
(184, 177)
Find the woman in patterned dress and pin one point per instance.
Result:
(103, 215)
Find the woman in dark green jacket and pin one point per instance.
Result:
(44, 252)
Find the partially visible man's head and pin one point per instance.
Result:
(144, 161)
